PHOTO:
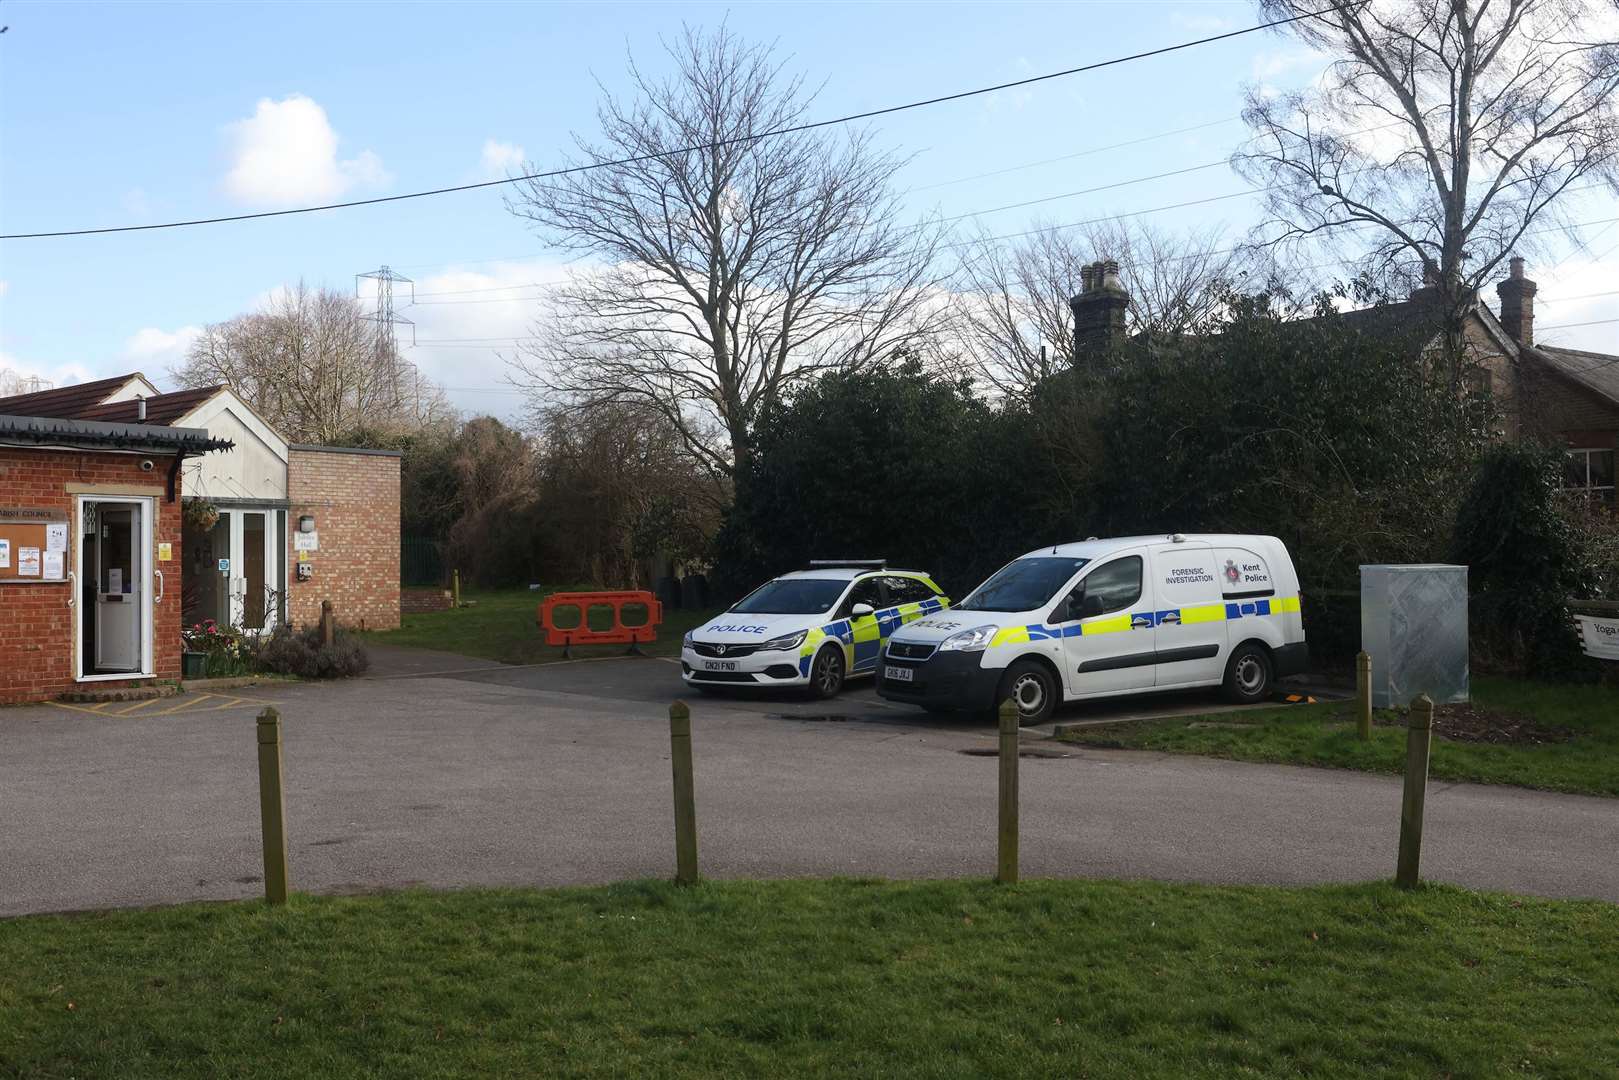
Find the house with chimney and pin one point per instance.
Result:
(126, 513)
(1563, 396)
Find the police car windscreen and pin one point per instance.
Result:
(792, 596)
(1023, 585)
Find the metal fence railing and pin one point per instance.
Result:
(421, 561)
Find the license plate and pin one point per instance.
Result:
(898, 674)
(719, 665)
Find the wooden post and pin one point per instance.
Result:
(272, 807)
(328, 623)
(455, 588)
(1363, 695)
(685, 794)
(1418, 742)
(1006, 849)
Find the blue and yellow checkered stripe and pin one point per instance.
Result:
(1228, 611)
(863, 641)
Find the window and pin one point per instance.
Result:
(1022, 585)
(865, 591)
(905, 590)
(792, 596)
(1591, 470)
(1118, 583)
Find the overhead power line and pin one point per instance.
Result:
(775, 133)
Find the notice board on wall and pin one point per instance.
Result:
(33, 544)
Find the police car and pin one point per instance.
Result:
(1102, 618)
(813, 628)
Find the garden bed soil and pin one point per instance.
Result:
(1467, 722)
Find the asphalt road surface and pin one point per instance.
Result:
(447, 772)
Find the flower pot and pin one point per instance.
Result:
(193, 665)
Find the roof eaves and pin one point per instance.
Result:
(48, 432)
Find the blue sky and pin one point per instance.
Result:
(132, 113)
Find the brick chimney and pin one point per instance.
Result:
(1517, 295)
(1099, 310)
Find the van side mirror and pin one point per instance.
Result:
(860, 611)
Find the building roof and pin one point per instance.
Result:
(160, 409)
(1595, 371)
(60, 433)
(66, 401)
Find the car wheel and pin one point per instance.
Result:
(1248, 674)
(826, 673)
(1031, 687)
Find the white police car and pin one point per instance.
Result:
(812, 628)
(1107, 617)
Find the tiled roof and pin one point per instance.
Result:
(1595, 371)
(67, 401)
(161, 409)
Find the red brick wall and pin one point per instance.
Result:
(418, 601)
(36, 624)
(354, 498)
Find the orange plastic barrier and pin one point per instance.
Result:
(618, 634)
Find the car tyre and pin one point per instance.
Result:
(1032, 687)
(827, 673)
(1248, 674)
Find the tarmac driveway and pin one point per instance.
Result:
(551, 775)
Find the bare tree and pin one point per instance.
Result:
(309, 363)
(1012, 304)
(1484, 112)
(730, 263)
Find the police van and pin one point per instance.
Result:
(1102, 618)
(812, 628)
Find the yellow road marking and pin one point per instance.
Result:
(191, 703)
(136, 707)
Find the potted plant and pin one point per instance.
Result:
(201, 514)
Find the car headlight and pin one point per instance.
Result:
(972, 640)
(790, 641)
(688, 638)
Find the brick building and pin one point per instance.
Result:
(266, 531)
(89, 552)
(1545, 392)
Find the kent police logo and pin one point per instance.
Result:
(1232, 574)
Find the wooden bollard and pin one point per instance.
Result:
(1006, 848)
(1363, 696)
(328, 623)
(685, 794)
(455, 588)
(1418, 742)
(272, 807)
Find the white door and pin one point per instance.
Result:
(1191, 630)
(1107, 637)
(116, 558)
(255, 569)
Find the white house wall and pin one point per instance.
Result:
(136, 387)
(255, 468)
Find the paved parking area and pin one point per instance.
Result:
(559, 774)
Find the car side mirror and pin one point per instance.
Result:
(860, 611)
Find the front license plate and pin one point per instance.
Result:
(719, 665)
(898, 674)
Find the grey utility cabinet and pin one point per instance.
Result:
(1413, 622)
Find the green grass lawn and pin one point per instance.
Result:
(504, 625)
(1324, 734)
(949, 979)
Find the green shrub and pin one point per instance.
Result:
(300, 652)
(1527, 558)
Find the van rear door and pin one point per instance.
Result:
(1190, 633)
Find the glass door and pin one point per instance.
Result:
(113, 557)
(252, 571)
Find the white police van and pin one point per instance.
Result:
(812, 628)
(1102, 618)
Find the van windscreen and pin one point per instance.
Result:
(1023, 585)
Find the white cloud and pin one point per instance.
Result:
(159, 350)
(500, 159)
(14, 369)
(286, 153)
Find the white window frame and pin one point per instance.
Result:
(1607, 490)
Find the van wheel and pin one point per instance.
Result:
(1248, 674)
(826, 673)
(1030, 686)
